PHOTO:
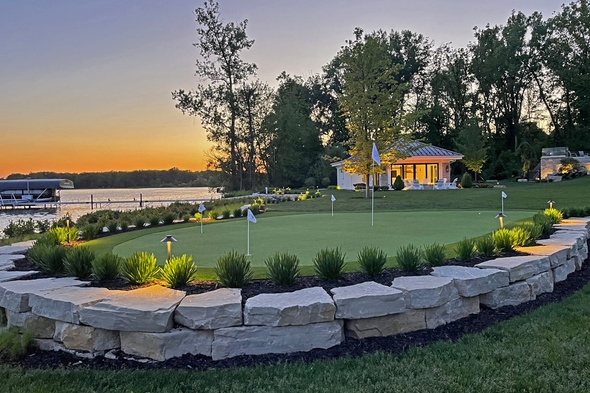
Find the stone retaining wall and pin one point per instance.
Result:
(160, 323)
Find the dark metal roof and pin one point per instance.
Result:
(35, 184)
(430, 151)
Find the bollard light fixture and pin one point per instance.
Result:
(501, 217)
(168, 240)
(550, 202)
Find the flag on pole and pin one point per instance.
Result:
(201, 208)
(333, 198)
(251, 217)
(375, 155)
(504, 194)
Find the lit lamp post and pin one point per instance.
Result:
(169, 240)
(501, 216)
(68, 221)
(550, 202)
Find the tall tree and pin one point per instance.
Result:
(472, 144)
(216, 103)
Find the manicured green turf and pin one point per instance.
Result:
(305, 234)
(546, 350)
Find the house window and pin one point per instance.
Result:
(432, 171)
(420, 172)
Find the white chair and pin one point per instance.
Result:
(453, 184)
(416, 185)
(440, 184)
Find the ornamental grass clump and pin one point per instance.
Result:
(78, 262)
(169, 218)
(435, 254)
(48, 257)
(409, 258)
(486, 246)
(372, 261)
(520, 237)
(154, 221)
(140, 268)
(13, 345)
(238, 212)
(106, 267)
(554, 214)
(545, 222)
(139, 221)
(503, 240)
(283, 268)
(63, 235)
(328, 264)
(233, 270)
(465, 249)
(179, 271)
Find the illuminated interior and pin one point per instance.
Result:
(420, 172)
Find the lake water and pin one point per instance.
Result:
(107, 199)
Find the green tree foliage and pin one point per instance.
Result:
(472, 144)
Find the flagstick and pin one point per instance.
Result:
(201, 223)
(248, 253)
(502, 204)
(373, 195)
(332, 208)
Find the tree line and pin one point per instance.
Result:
(173, 177)
(514, 89)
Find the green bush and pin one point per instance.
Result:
(179, 271)
(466, 181)
(154, 220)
(112, 226)
(91, 231)
(409, 258)
(398, 184)
(47, 240)
(78, 262)
(63, 235)
(106, 266)
(124, 225)
(212, 214)
(233, 270)
(465, 249)
(186, 217)
(520, 237)
(372, 260)
(225, 213)
(503, 240)
(255, 207)
(238, 212)
(19, 228)
(554, 214)
(169, 218)
(283, 268)
(544, 222)
(48, 257)
(434, 254)
(328, 264)
(140, 268)
(533, 232)
(309, 182)
(486, 246)
(14, 346)
(139, 221)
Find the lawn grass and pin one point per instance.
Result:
(547, 350)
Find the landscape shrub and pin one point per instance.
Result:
(328, 264)
(179, 271)
(466, 181)
(198, 217)
(169, 218)
(78, 262)
(140, 268)
(545, 222)
(90, 231)
(309, 182)
(112, 226)
(63, 235)
(372, 260)
(238, 212)
(213, 214)
(520, 236)
(47, 240)
(409, 258)
(325, 182)
(13, 345)
(435, 254)
(43, 225)
(233, 270)
(154, 220)
(554, 214)
(486, 246)
(503, 240)
(19, 228)
(139, 221)
(106, 266)
(534, 231)
(465, 249)
(225, 213)
(186, 217)
(255, 207)
(283, 268)
(48, 257)
(398, 184)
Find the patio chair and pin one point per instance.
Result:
(453, 184)
(441, 184)
(416, 185)
(407, 184)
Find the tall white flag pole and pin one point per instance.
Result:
(248, 253)
(502, 204)
(373, 196)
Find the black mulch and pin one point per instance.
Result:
(351, 347)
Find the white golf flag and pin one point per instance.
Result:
(375, 155)
(201, 208)
(504, 194)
(333, 198)
(251, 217)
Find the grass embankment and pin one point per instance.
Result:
(546, 350)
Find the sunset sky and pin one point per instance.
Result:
(86, 85)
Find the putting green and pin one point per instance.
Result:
(305, 234)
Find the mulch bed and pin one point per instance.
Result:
(351, 347)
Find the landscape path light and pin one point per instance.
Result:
(501, 216)
(550, 202)
(169, 240)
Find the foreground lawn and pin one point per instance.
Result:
(547, 350)
(305, 234)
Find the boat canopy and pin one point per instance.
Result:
(36, 184)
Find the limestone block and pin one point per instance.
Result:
(16, 248)
(511, 295)
(310, 305)
(46, 344)
(14, 295)
(541, 283)
(577, 239)
(162, 346)
(583, 252)
(471, 281)
(519, 268)
(7, 260)
(64, 304)
(572, 225)
(557, 253)
(570, 244)
(258, 340)
(149, 309)
(560, 273)
(13, 275)
(85, 338)
(426, 291)
(28, 322)
(211, 310)
(388, 325)
(451, 311)
(367, 300)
